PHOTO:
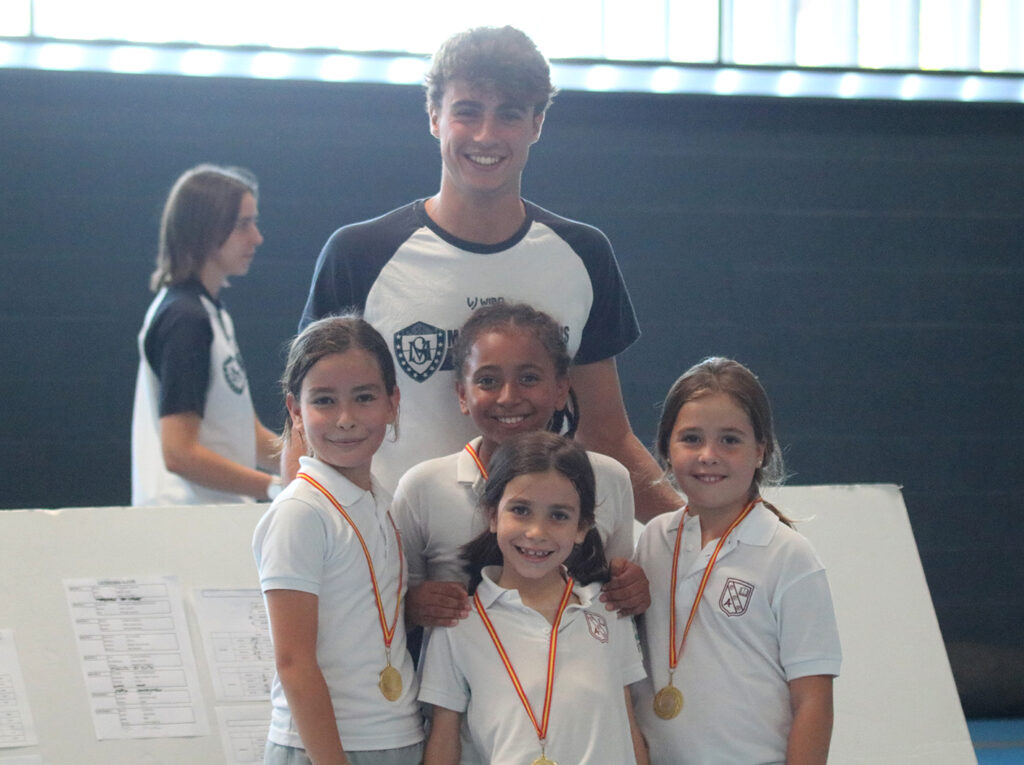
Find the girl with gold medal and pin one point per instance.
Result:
(539, 669)
(331, 565)
(740, 639)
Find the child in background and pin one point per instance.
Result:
(512, 376)
(538, 668)
(740, 641)
(196, 439)
(331, 565)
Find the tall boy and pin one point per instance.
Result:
(419, 271)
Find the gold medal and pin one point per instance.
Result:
(668, 702)
(542, 760)
(390, 683)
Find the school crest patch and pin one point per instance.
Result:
(420, 348)
(234, 373)
(598, 626)
(735, 597)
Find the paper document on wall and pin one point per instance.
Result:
(136, 656)
(16, 726)
(243, 732)
(236, 634)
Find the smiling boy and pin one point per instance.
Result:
(417, 272)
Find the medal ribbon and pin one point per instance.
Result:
(389, 632)
(476, 459)
(542, 729)
(673, 653)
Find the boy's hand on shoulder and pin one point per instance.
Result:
(628, 592)
(436, 604)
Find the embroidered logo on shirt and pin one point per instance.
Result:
(735, 597)
(598, 626)
(234, 373)
(420, 348)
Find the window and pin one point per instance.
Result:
(666, 44)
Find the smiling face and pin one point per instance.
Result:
(344, 411)
(537, 522)
(713, 454)
(509, 385)
(234, 257)
(485, 140)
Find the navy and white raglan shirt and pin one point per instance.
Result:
(417, 284)
(189, 362)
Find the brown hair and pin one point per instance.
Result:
(500, 59)
(334, 334)
(539, 452)
(199, 216)
(721, 375)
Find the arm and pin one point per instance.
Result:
(184, 455)
(628, 591)
(604, 427)
(811, 701)
(444, 746)
(267, 446)
(639, 744)
(293, 624)
(436, 604)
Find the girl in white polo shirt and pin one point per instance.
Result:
(512, 376)
(539, 668)
(331, 565)
(740, 640)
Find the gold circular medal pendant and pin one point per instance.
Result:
(390, 683)
(542, 760)
(668, 702)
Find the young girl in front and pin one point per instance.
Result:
(539, 668)
(331, 565)
(512, 377)
(740, 640)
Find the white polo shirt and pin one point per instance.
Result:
(766, 618)
(437, 509)
(597, 656)
(303, 543)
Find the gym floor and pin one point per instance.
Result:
(998, 742)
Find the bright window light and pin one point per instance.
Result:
(340, 68)
(271, 65)
(948, 36)
(15, 18)
(763, 47)
(61, 56)
(202, 62)
(131, 59)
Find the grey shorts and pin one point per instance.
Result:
(276, 754)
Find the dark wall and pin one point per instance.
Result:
(864, 258)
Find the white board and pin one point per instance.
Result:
(896, 702)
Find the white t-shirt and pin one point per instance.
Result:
(417, 284)
(228, 419)
(597, 657)
(766, 618)
(437, 509)
(303, 543)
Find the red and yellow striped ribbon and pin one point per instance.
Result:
(389, 632)
(673, 653)
(542, 728)
(476, 459)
